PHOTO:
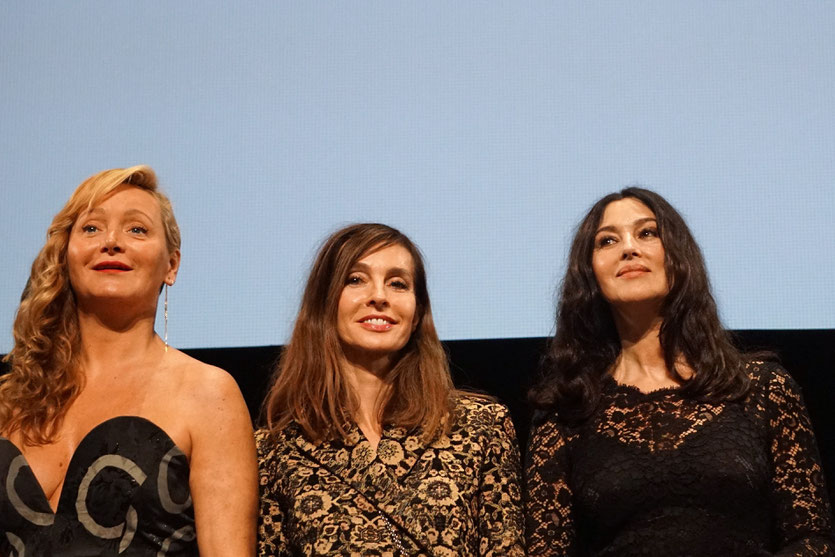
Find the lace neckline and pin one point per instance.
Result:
(615, 385)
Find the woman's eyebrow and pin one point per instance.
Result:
(132, 212)
(400, 271)
(644, 220)
(636, 222)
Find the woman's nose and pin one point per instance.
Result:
(377, 296)
(629, 247)
(112, 243)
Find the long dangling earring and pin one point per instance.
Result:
(165, 315)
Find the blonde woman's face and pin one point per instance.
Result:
(117, 251)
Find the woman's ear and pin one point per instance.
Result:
(173, 268)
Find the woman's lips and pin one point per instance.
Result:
(112, 267)
(632, 271)
(379, 323)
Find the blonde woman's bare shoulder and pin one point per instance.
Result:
(223, 471)
(202, 385)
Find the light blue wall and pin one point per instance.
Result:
(483, 129)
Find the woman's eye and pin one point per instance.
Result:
(649, 233)
(604, 241)
(89, 228)
(353, 280)
(138, 230)
(398, 284)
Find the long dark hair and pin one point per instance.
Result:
(586, 343)
(309, 386)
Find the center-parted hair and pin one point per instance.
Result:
(310, 386)
(586, 343)
(44, 379)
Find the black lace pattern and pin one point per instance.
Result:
(658, 474)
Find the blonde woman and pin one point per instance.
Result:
(114, 443)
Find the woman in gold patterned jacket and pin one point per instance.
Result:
(369, 449)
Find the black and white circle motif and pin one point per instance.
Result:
(17, 545)
(35, 517)
(126, 530)
(186, 533)
(162, 484)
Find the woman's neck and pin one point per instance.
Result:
(641, 362)
(370, 388)
(114, 341)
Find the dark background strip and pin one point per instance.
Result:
(506, 368)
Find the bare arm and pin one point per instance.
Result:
(223, 477)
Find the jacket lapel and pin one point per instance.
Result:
(381, 478)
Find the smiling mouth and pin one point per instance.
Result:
(378, 324)
(377, 321)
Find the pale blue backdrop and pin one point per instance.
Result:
(483, 129)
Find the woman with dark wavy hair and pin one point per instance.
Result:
(112, 442)
(654, 435)
(368, 449)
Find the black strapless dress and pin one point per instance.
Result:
(126, 493)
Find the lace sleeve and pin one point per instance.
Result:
(802, 512)
(270, 529)
(501, 521)
(550, 526)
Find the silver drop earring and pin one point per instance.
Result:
(165, 316)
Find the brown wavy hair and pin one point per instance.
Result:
(309, 384)
(586, 343)
(44, 377)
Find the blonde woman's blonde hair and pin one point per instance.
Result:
(44, 378)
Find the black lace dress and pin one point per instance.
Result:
(657, 474)
(125, 493)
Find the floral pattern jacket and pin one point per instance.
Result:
(458, 496)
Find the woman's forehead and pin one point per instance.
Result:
(124, 199)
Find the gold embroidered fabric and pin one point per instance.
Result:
(456, 497)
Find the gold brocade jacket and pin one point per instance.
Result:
(456, 497)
